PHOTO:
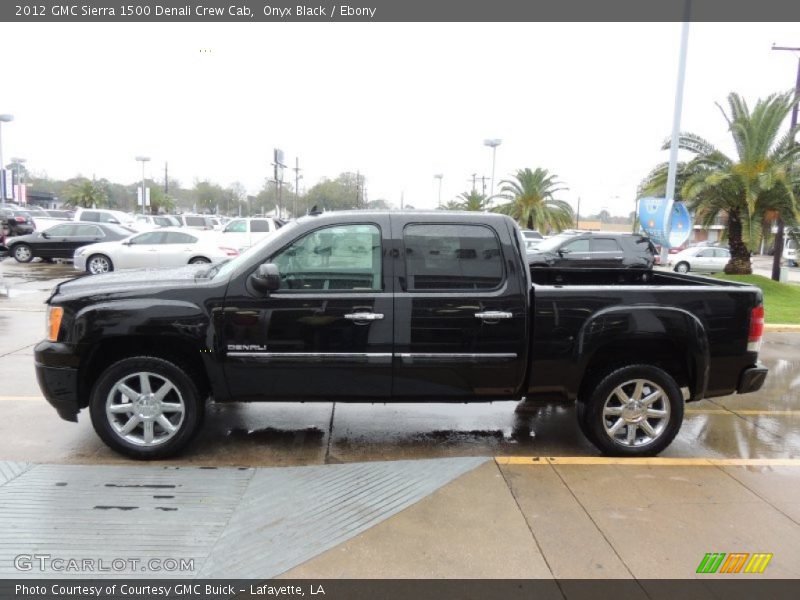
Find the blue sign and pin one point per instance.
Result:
(666, 222)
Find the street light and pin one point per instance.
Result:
(143, 160)
(19, 162)
(3, 119)
(439, 176)
(493, 144)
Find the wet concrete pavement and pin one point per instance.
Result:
(514, 516)
(761, 425)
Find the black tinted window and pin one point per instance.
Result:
(59, 230)
(452, 257)
(604, 245)
(195, 221)
(259, 226)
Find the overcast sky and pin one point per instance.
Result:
(399, 102)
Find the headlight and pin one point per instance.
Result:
(54, 314)
(80, 251)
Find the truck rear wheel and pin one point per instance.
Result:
(635, 410)
(146, 407)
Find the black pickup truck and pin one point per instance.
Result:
(395, 306)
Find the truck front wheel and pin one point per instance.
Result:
(146, 407)
(635, 410)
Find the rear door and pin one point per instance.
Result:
(177, 248)
(83, 235)
(460, 315)
(606, 253)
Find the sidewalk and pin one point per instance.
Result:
(521, 517)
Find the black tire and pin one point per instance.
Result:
(682, 267)
(199, 260)
(669, 400)
(99, 259)
(185, 392)
(22, 253)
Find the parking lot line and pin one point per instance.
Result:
(656, 461)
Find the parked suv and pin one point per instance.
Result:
(594, 250)
(14, 221)
(101, 215)
(204, 222)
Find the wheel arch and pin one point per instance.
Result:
(670, 338)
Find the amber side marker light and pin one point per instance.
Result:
(54, 315)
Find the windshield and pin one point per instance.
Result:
(224, 269)
(552, 243)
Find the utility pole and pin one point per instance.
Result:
(358, 189)
(578, 215)
(474, 175)
(776, 259)
(483, 185)
(166, 179)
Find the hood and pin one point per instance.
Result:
(137, 281)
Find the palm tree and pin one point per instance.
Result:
(472, 201)
(86, 194)
(749, 188)
(532, 202)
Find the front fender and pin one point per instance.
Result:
(643, 329)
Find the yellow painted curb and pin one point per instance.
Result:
(655, 461)
(781, 327)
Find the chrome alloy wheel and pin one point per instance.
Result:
(22, 253)
(636, 413)
(98, 265)
(145, 409)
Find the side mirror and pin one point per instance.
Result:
(114, 221)
(45, 235)
(267, 278)
(562, 252)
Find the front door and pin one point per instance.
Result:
(460, 312)
(140, 252)
(55, 245)
(574, 254)
(327, 332)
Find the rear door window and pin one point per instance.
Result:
(89, 231)
(178, 237)
(604, 245)
(195, 221)
(90, 215)
(452, 257)
(259, 226)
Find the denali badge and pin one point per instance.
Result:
(246, 348)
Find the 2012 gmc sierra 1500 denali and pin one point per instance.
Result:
(395, 306)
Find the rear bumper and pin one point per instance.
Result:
(751, 379)
(57, 374)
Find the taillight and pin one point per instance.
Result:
(229, 251)
(19, 219)
(756, 329)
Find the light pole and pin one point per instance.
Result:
(776, 259)
(493, 144)
(3, 119)
(439, 176)
(19, 162)
(143, 160)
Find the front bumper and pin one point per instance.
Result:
(57, 374)
(79, 261)
(751, 379)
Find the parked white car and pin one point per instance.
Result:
(201, 222)
(168, 247)
(144, 222)
(700, 258)
(104, 215)
(243, 233)
(790, 252)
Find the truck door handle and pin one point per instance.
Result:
(363, 316)
(493, 315)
